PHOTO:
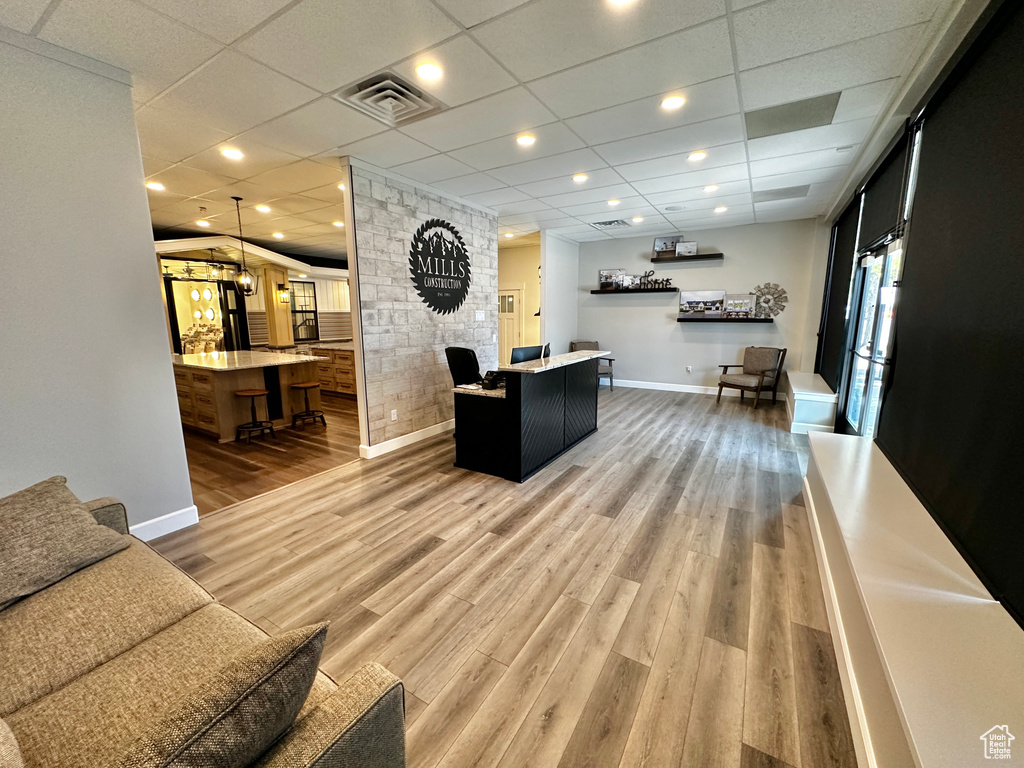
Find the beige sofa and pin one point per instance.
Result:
(93, 660)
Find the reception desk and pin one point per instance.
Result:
(547, 407)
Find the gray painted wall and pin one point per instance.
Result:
(85, 367)
(559, 311)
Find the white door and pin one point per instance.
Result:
(510, 323)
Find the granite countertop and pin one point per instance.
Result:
(555, 361)
(234, 361)
(338, 346)
(480, 392)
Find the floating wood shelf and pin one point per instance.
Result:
(695, 257)
(636, 290)
(698, 319)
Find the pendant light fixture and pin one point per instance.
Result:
(247, 284)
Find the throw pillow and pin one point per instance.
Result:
(10, 755)
(232, 717)
(46, 533)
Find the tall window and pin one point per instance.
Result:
(304, 320)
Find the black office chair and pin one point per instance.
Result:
(522, 354)
(464, 367)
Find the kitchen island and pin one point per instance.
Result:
(206, 384)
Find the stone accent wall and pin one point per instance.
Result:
(403, 340)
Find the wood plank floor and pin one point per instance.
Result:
(648, 599)
(225, 473)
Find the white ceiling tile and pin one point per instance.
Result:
(601, 206)
(863, 101)
(728, 154)
(809, 203)
(549, 35)
(316, 127)
(471, 184)
(297, 204)
(533, 217)
(565, 221)
(649, 213)
(251, 194)
(692, 179)
(328, 44)
(151, 165)
(715, 98)
(686, 138)
(600, 177)
(469, 72)
(552, 167)
(589, 237)
(524, 206)
(716, 223)
(679, 196)
(835, 69)
(157, 51)
(552, 139)
(329, 193)
(503, 113)
(182, 180)
(781, 181)
(472, 12)
(300, 176)
(326, 215)
(234, 93)
(173, 137)
(434, 168)
(662, 66)
(188, 208)
(22, 15)
(698, 209)
(784, 29)
(498, 197)
(810, 139)
(805, 161)
(225, 20)
(283, 224)
(386, 150)
(693, 219)
(590, 195)
(164, 199)
(258, 159)
(573, 229)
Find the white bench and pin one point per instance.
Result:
(810, 403)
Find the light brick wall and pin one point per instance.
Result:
(403, 339)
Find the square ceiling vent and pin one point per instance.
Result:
(390, 99)
(794, 116)
(613, 224)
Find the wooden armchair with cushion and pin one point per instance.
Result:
(602, 369)
(762, 369)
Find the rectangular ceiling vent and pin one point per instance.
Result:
(614, 224)
(785, 193)
(390, 99)
(794, 116)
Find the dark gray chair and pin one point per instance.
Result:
(464, 367)
(602, 369)
(762, 369)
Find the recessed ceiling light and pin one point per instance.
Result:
(232, 154)
(263, 208)
(341, 187)
(156, 186)
(526, 140)
(721, 209)
(620, 3)
(301, 275)
(672, 102)
(338, 223)
(579, 178)
(711, 188)
(614, 202)
(429, 71)
(278, 235)
(202, 223)
(509, 235)
(696, 157)
(637, 219)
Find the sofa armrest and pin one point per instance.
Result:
(360, 724)
(109, 512)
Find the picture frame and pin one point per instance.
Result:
(686, 248)
(667, 245)
(739, 304)
(609, 279)
(706, 303)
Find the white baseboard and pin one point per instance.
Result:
(667, 387)
(160, 526)
(373, 451)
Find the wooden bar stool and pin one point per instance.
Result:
(255, 425)
(308, 414)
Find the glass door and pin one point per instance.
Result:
(877, 281)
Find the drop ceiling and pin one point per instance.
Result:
(586, 77)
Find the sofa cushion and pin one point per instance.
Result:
(93, 720)
(757, 359)
(47, 534)
(234, 715)
(746, 380)
(10, 755)
(54, 636)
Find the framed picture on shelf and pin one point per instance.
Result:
(666, 246)
(608, 279)
(688, 248)
(708, 303)
(739, 304)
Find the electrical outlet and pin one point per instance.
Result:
(689, 369)
(494, 337)
(479, 315)
(394, 414)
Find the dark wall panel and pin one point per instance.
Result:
(952, 418)
(832, 343)
(883, 197)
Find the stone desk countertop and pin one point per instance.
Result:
(555, 361)
(235, 361)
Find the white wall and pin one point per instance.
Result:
(815, 292)
(641, 330)
(86, 379)
(559, 267)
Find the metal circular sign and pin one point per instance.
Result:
(439, 265)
